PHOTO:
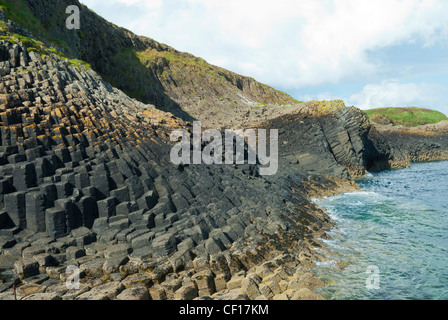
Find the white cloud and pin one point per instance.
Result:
(149, 4)
(291, 44)
(129, 2)
(392, 93)
(319, 97)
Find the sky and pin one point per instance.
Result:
(369, 53)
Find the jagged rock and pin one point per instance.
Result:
(58, 288)
(26, 267)
(56, 222)
(147, 201)
(221, 282)
(250, 287)
(31, 251)
(95, 248)
(187, 292)
(107, 291)
(29, 289)
(306, 280)
(142, 241)
(164, 245)
(15, 207)
(236, 281)
(137, 293)
(205, 283)
(119, 249)
(157, 293)
(114, 263)
(107, 207)
(119, 223)
(93, 267)
(49, 296)
(73, 253)
(266, 291)
(45, 260)
(55, 272)
(83, 236)
(83, 163)
(214, 245)
(7, 261)
(6, 242)
(231, 295)
(100, 224)
(171, 286)
(305, 294)
(281, 297)
(201, 263)
(137, 280)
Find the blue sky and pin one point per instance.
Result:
(370, 53)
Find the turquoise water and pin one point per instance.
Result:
(396, 229)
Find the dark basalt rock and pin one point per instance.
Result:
(82, 164)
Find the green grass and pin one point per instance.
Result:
(29, 42)
(33, 45)
(2, 25)
(137, 72)
(78, 63)
(151, 57)
(324, 107)
(130, 74)
(409, 117)
(18, 11)
(141, 74)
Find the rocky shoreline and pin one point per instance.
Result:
(86, 182)
(278, 269)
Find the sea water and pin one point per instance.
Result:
(390, 241)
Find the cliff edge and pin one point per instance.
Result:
(86, 178)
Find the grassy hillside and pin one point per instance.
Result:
(410, 117)
(19, 12)
(145, 69)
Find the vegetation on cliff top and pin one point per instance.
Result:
(409, 117)
(143, 68)
(18, 11)
(322, 108)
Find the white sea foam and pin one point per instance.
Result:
(399, 224)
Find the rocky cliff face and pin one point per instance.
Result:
(86, 180)
(329, 145)
(400, 146)
(152, 72)
(343, 143)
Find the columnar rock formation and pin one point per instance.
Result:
(86, 181)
